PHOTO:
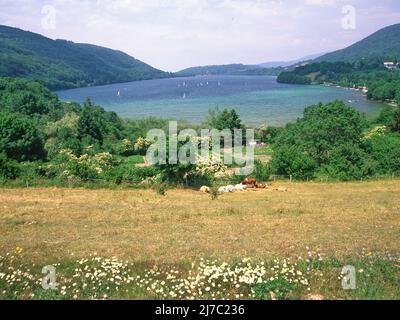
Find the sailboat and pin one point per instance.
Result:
(119, 93)
(184, 96)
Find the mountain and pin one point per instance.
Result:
(275, 64)
(228, 69)
(383, 44)
(60, 64)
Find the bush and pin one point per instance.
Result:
(19, 138)
(161, 189)
(385, 150)
(85, 167)
(141, 146)
(327, 140)
(290, 160)
(137, 174)
(348, 162)
(9, 169)
(214, 194)
(262, 171)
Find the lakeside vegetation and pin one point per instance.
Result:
(44, 139)
(359, 66)
(382, 84)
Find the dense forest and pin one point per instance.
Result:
(44, 139)
(61, 64)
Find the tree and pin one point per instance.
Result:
(26, 97)
(89, 125)
(396, 119)
(269, 134)
(385, 150)
(290, 160)
(325, 133)
(8, 168)
(19, 138)
(225, 119)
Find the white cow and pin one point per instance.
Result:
(240, 187)
(222, 190)
(205, 189)
(230, 188)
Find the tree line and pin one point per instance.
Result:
(43, 138)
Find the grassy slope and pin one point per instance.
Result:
(349, 223)
(337, 218)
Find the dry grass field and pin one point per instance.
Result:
(336, 219)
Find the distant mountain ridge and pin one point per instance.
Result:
(383, 44)
(266, 68)
(226, 69)
(275, 64)
(60, 64)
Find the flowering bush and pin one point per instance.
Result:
(210, 166)
(142, 145)
(86, 166)
(126, 148)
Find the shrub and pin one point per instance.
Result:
(289, 160)
(385, 150)
(9, 169)
(85, 167)
(214, 194)
(262, 171)
(137, 174)
(328, 140)
(161, 189)
(19, 138)
(142, 145)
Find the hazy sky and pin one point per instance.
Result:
(175, 34)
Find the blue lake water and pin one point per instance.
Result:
(258, 99)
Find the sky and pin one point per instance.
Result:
(175, 34)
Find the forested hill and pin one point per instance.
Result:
(61, 64)
(383, 44)
(229, 69)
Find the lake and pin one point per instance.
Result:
(258, 99)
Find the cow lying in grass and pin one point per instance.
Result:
(249, 182)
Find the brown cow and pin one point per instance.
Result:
(249, 181)
(261, 186)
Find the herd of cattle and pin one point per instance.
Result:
(248, 183)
